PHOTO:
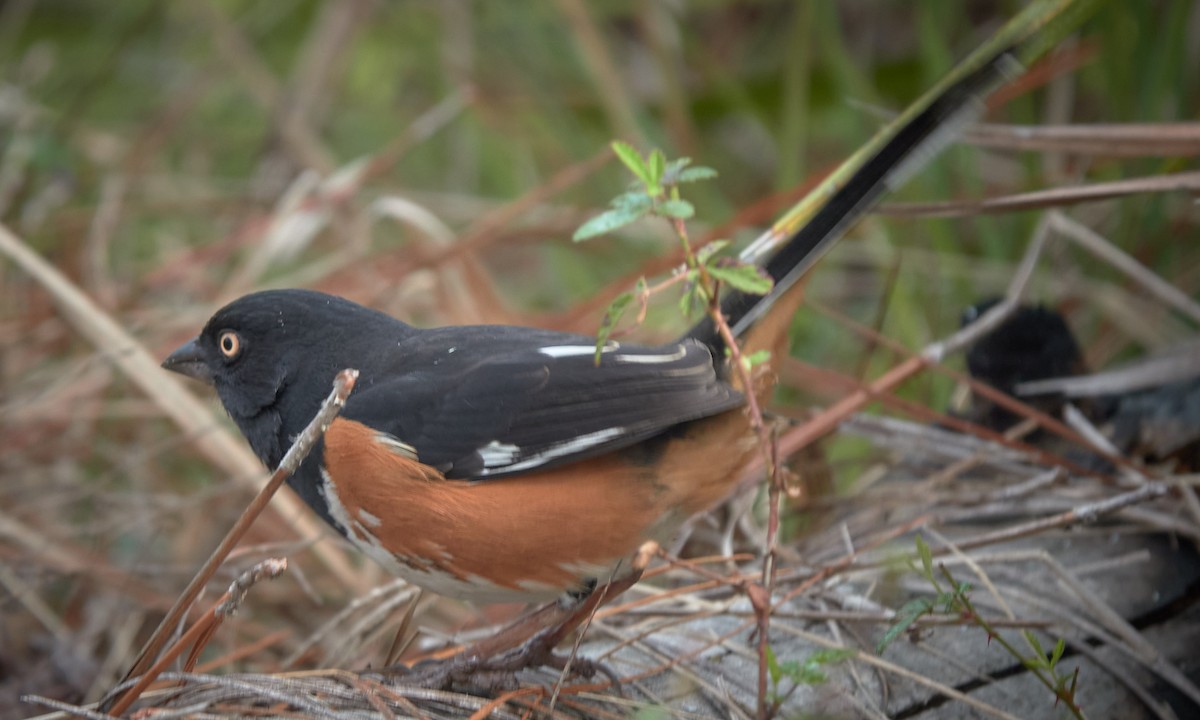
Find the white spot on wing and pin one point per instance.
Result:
(567, 447)
(370, 519)
(496, 453)
(653, 359)
(561, 351)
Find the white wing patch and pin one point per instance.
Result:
(567, 447)
(498, 454)
(562, 351)
(653, 359)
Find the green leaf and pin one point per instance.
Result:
(658, 164)
(773, 666)
(711, 249)
(1059, 649)
(692, 299)
(632, 159)
(746, 278)
(793, 671)
(633, 200)
(926, 558)
(677, 209)
(1033, 642)
(674, 167)
(606, 222)
(611, 317)
(694, 174)
(757, 357)
(1034, 662)
(812, 670)
(829, 656)
(907, 615)
(950, 602)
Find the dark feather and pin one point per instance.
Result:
(508, 403)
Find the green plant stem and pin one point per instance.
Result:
(980, 621)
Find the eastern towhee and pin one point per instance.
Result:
(1034, 343)
(1152, 417)
(490, 463)
(503, 463)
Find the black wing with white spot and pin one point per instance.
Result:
(485, 406)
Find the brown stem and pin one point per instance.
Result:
(342, 386)
(203, 628)
(770, 455)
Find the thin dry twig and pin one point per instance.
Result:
(897, 670)
(1001, 311)
(1087, 513)
(345, 612)
(263, 87)
(67, 708)
(202, 630)
(1100, 139)
(604, 72)
(343, 385)
(1051, 197)
(1096, 244)
(821, 424)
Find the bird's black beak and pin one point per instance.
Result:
(188, 360)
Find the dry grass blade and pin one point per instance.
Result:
(600, 65)
(1096, 244)
(145, 162)
(194, 418)
(264, 88)
(1176, 364)
(1086, 514)
(1124, 140)
(1054, 197)
(402, 639)
(819, 425)
(66, 709)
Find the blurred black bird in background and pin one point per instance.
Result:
(1148, 410)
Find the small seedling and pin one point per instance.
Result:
(791, 674)
(656, 193)
(953, 597)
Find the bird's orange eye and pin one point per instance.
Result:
(230, 344)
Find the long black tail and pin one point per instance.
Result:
(911, 146)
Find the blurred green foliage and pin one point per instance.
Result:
(145, 147)
(184, 101)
